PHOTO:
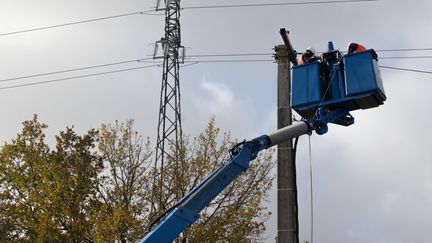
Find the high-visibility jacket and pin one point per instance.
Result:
(355, 47)
(301, 61)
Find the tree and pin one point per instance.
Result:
(46, 194)
(125, 186)
(100, 187)
(237, 213)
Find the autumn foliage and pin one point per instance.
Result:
(101, 187)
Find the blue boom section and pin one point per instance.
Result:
(186, 211)
(349, 82)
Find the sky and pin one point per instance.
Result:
(372, 181)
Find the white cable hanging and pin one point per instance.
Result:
(311, 191)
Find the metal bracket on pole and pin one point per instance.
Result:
(292, 54)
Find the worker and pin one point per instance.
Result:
(308, 56)
(355, 47)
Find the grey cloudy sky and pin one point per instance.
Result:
(372, 180)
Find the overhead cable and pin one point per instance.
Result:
(404, 49)
(193, 61)
(148, 12)
(156, 65)
(239, 61)
(271, 54)
(407, 69)
(311, 192)
(75, 77)
(407, 57)
(231, 55)
(72, 70)
(274, 4)
(226, 61)
(77, 22)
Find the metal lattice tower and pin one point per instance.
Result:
(169, 124)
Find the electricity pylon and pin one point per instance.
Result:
(169, 134)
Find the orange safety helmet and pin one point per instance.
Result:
(355, 47)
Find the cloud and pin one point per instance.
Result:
(223, 97)
(214, 98)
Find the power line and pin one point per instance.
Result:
(311, 191)
(275, 4)
(144, 60)
(233, 61)
(407, 57)
(195, 61)
(75, 77)
(191, 63)
(390, 50)
(227, 61)
(407, 69)
(404, 49)
(71, 70)
(271, 54)
(264, 60)
(148, 12)
(232, 55)
(77, 22)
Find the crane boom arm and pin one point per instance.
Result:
(187, 210)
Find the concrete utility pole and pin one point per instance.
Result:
(287, 209)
